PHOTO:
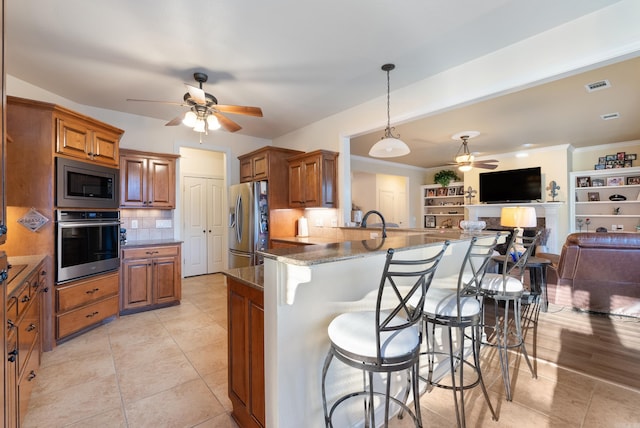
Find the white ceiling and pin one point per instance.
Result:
(303, 61)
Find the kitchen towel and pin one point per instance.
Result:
(303, 227)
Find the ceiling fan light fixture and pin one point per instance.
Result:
(212, 123)
(200, 125)
(465, 167)
(390, 145)
(465, 158)
(190, 119)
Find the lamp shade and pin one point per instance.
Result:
(518, 217)
(389, 148)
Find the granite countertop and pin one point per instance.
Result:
(252, 276)
(149, 243)
(316, 254)
(29, 263)
(307, 240)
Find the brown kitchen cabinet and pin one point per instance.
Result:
(151, 277)
(85, 303)
(246, 353)
(23, 339)
(313, 180)
(268, 163)
(147, 180)
(82, 139)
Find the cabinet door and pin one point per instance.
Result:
(133, 184)
(312, 182)
(137, 283)
(260, 166)
(296, 185)
(105, 148)
(161, 185)
(73, 138)
(11, 383)
(246, 170)
(167, 279)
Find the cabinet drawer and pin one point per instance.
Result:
(24, 298)
(28, 330)
(143, 253)
(12, 311)
(78, 319)
(86, 291)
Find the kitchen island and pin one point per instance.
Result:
(304, 289)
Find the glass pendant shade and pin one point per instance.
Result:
(190, 119)
(212, 123)
(389, 147)
(199, 126)
(465, 167)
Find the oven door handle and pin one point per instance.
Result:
(67, 224)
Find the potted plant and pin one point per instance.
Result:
(444, 177)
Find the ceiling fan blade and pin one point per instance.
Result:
(248, 111)
(197, 95)
(175, 121)
(227, 123)
(484, 165)
(154, 101)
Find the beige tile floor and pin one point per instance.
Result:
(167, 368)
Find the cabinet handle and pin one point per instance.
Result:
(12, 356)
(91, 315)
(10, 324)
(31, 327)
(45, 289)
(25, 299)
(3, 274)
(152, 252)
(32, 375)
(92, 291)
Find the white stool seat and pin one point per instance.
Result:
(355, 332)
(443, 302)
(495, 283)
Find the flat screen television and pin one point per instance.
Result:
(514, 185)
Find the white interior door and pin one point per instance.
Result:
(217, 225)
(204, 225)
(195, 226)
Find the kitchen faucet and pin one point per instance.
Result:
(384, 225)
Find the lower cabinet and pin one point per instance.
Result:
(246, 353)
(85, 303)
(23, 344)
(151, 277)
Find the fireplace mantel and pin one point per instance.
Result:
(549, 210)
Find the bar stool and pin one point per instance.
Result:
(506, 289)
(457, 309)
(385, 340)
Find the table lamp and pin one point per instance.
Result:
(518, 218)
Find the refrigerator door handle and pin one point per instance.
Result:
(238, 219)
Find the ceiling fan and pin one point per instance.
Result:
(465, 160)
(205, 114)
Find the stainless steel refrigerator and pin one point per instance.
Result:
(248, 223)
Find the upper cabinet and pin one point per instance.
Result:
(147, 180)
(84, 140)
(269, 163)
(312, 180)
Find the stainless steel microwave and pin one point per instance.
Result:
(86, 185)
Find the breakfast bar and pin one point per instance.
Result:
(304, 289)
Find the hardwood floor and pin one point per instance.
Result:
(603, 346)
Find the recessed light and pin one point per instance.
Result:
(522, 155)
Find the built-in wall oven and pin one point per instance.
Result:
(88, 243)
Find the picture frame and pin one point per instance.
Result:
(620, 156)
(430, 221)
(441, 191)
(633, 179)
(628, 164)
(597, 182)
(630, 157)
(431, 193)
(602, 160)
(610, 158)
(593, 196)
(615, 181)
(583, 181)
(451, 191)
(460, 190)
(599, 166)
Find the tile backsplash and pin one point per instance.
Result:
(144, 225)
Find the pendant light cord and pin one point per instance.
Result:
(387, 131)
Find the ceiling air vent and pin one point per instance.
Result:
(610, 116)
(596, 86)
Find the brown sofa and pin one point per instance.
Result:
(597, 272)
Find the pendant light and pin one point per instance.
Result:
(390, 145)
